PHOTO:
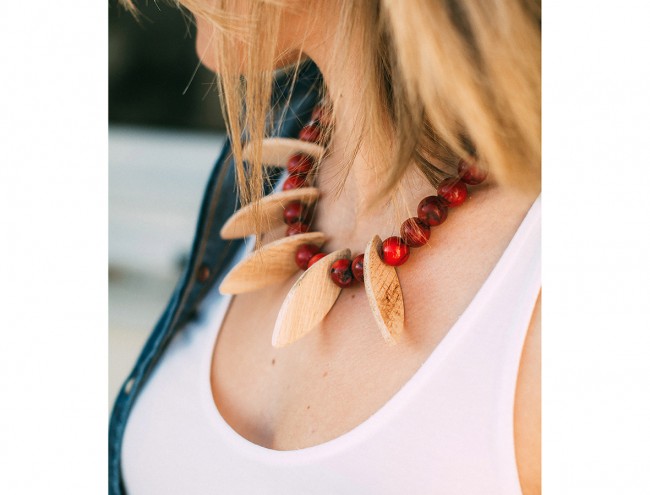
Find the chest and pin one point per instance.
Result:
(342, 372)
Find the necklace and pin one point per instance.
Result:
(326, 274)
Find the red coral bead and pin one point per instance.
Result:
(295, 211)
(311, 132)
(304, 253)
(470, 172)
(322, 115)
(357, 267)
(432, 210)
(299, 164)
(453, 191)
(297, 228)
(395, 251)
(341, 274)
(415, 232)
(314, 259)
(294, 181)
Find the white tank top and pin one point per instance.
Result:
(448, 430)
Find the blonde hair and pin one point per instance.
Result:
(439, 79)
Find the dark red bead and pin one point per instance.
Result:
(315, 258)
(297, 228)
(304, 253)
(415, 232)
(453, 191)
(311, 132)
(395, 251)
(357, 267)
(432, 210)
(294, 181)
(299, 164)
(470, 172)
(341, 274)
(321, 114)
(295, 211)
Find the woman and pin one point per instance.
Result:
(218, 404)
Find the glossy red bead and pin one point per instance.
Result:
(311, 132)
(432, 210)
(294, 181)
(295, 211)
(315, 258)
(341, 274)
(471, 173)
(453, 191)
(297, 228)
(415, 232)
(304, 253)
(299, 164)
(322, 115)
(395, 251)
(357, 267)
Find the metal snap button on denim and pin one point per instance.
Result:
(128, 386)
(203, 273)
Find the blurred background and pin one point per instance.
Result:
(165, 131)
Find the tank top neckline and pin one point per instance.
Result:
(362, 430)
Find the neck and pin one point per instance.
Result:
(349, 185)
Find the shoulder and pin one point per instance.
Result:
(527, 413)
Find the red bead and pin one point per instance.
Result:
(321, 114)
(304, 253)
(299, 164)
(470, 172)
(294, 181)
(395, 251)
(311, 132)
(432, 210)
(453, 191)
(297, 228)
(357, 267)
(315, 258)
(295, 211)
(341, 274)
(415, 232)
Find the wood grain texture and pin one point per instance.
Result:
(271, 264)
(276, 151)
(384, 292)
(308, 301)
(269, 209)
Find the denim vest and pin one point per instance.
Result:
(292, 103)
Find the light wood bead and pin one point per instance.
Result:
(308, 301)
(269, 208)
(384, 292)
(276, 151)
(271, 264)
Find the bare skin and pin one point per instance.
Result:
(308, 393)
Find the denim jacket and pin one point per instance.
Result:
(292, 103)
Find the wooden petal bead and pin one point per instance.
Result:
(294, 181)
(395, 251)
(297, 228)
(341, 274)
(295, 211)
(471, 173)
(432, 210)
(357, 268)
(299, 164)
(315, 258)
(311, 133)
(415, 232)
(304, 253)
(453, 191)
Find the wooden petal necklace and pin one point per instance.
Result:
(326, 274)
